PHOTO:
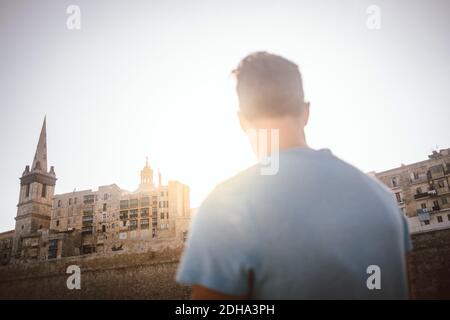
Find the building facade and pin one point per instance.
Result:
(422, 191)
(105, 220)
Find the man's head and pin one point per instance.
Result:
(270, 92)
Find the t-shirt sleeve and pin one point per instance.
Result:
(218, 252)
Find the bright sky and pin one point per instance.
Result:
(152, 78)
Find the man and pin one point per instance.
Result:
(316, 229)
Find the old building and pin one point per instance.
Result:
(422, 191)
(106, 220)
(37, 186)
(84, 211)
(153, 212)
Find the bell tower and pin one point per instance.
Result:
(146, 178)
(37, 186)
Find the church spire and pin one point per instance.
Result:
(40, 157)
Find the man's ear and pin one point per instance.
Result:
(305, 113)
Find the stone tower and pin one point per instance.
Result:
(146, 178)
(37, 187)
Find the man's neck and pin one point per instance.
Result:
(292, 137)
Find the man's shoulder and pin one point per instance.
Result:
(240, 181)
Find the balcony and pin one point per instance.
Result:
(123, 215)
(423, 214)
(422, 195)
(145, 224)
(124, 204)
(132, 227)
(87, 229)
(89, 199)
(436, 208)
(88, 218)
(133, 214)
(134, 203)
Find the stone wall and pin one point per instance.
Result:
(120, 276)
(429, 265)
(151, 275)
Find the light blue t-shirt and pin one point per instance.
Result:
(311, 231)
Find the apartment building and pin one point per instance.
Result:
(422, 191)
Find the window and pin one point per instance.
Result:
(419, 190)
(133, 203)
(439, 219)
(104, 207)
(427, 222)
(59, 203)
(75, 201)
(167, 215)
(124, 223)
(70, 201)
(444, 200)
(89, 199)
(162, 215)
(423, 205)
(399, 198)
(133, 213)
(436, 205)
(441, 184)
(27, 192)
(145, 212)
(21, 227)
(57, 223)
(394, 182)
(416, 175)
(133, 224)
(448, 217)
(123, 204)
(123, 215)
(145, 201)
(44, 191)
(103, 228)
(145, 223)
(105, 196)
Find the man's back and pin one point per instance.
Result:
(310, 231)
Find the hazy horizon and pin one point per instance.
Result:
(152, 78)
